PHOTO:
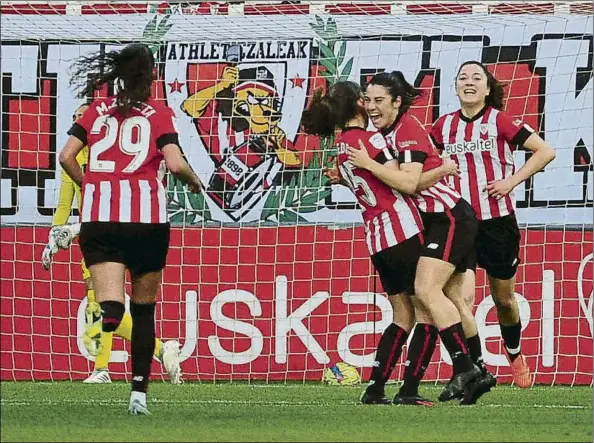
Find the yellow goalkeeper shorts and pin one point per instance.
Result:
(85, 271)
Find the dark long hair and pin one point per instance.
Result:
(132, 66)
(496, 88)
(397, 86)
(332, 110)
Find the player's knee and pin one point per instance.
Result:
(504, 302)
(112, 313)
(424, 289)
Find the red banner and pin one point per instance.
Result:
(283, 303)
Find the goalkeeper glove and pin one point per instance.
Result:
(60, 237)
(48, 252)
(65, 234)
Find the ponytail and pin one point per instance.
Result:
(332, 110)
(318, 118)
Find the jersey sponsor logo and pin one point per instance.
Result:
(405, 144)
(472, 146)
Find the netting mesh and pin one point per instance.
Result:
(269, 278)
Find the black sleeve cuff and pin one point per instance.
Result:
(412, 157)
(381, 158)
(521, 137)
(167, 139)
(79, 132)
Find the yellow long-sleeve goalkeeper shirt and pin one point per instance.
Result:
(68, 189)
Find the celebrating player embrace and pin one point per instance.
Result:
(449, 222)
(481, 139)
(124, 213)
(392, 225)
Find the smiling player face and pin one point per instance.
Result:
(471, 85)
(380, 107)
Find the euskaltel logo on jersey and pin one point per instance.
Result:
(479, 145)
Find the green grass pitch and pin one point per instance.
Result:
(73, 411)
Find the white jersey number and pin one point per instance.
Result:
(355, 182)
(134, 140)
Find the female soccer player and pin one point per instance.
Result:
(450, 225)
(481, 140)
(167, 353)
(393, 235)
(124, 213)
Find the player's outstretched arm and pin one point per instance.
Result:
(404, 179)
(178, 166)
(429, 178)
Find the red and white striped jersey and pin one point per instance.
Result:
(389, 217)
(123, 181)
(410, 142)
(483, 149)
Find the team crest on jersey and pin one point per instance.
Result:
(484, 128)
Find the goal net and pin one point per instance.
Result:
(268, 275)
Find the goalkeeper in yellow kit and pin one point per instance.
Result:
(60, 237)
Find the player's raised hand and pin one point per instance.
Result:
(230, 76)
(359, 157)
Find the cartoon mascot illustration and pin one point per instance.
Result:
(238, 121)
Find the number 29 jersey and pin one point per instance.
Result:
(389, 217)
(123, 181)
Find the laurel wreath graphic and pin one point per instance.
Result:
(309, 187)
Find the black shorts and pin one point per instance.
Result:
(449, 236)
(498, 247)
(141, 247)
(397, 266)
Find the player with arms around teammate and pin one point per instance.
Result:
(450, 228)
(124, 210)
(393, 235)
(481, 139)
(61, 236)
